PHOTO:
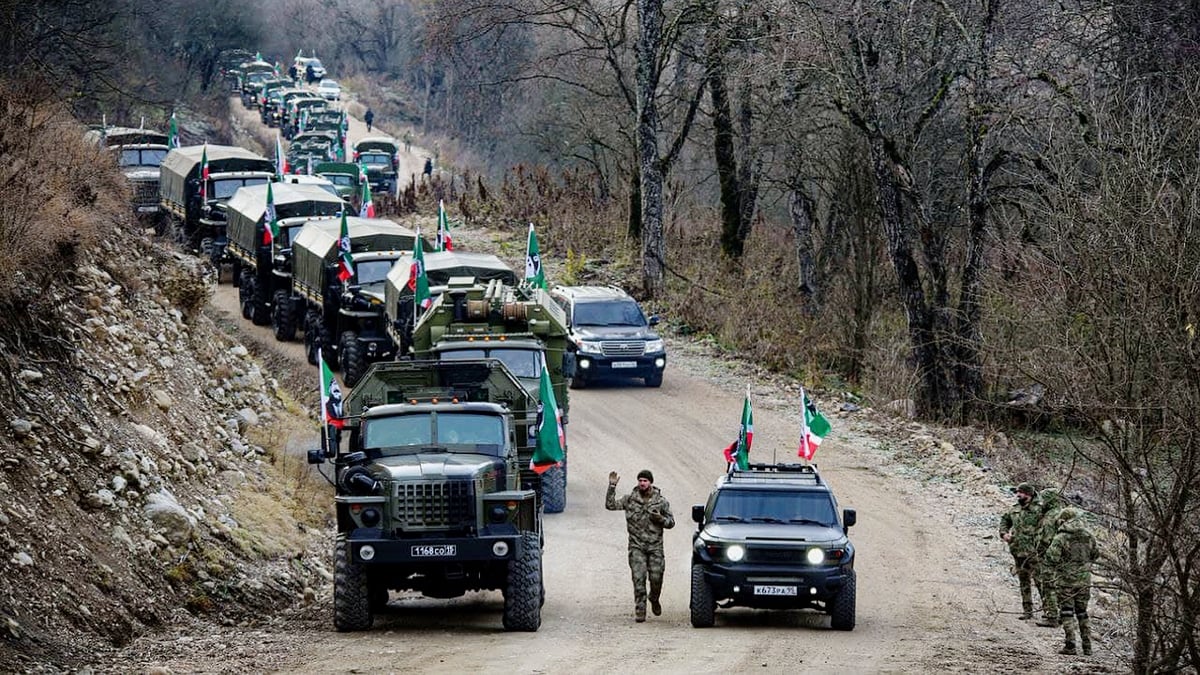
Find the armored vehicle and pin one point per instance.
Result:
(769, 537)
(253, 252)
(381, 156)
(345, 177)
(610, 335)
(139, 153)
(345, 319)
(428, 495)
(199, 222)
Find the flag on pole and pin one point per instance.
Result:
(309, 170)
(332, 411)
(444, 243)
(533, 261)
(270, 219)
(418, 283)
(814, 428)
(367, 208)
(738, 452)
(551, 438)
(204, 173)
(173, 133)
(281, 167)
(345, 258)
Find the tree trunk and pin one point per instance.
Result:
(802, 224)
(653, 245)
(732, 243)
(635, 205)
(748, 168)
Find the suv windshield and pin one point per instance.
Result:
(609, 313)
(453, 431)
(774, 506)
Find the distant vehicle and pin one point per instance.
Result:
(318, 181)
(330, 90)
(303, 62)
(139, 152)
(610, 335)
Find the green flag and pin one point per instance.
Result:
(814, 428)
(173, 133)
(271, 220)
(738, 452)
(549, 432)
(418, 283)
(533, 262)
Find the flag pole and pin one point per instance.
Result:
(803, 424)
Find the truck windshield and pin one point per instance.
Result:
(614, 313)
(142, 157)
(225, 187)
(372, 271)
(524, 363)
(774, 506)
(447, 431)
(375, 159)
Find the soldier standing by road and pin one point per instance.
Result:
(647, 514)
(408, 140)
(1019, 527)
(1070, 555)
(369, 118)
(1051, 506)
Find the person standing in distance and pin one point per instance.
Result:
(647, 514)
(369, 118)
(1019, 527)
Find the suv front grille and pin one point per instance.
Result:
(623, 348)
(437, 504)
(774, 555)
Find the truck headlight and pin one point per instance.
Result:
(500, 549)
(735, 553)
(367, 552)
(654, 346)
(815, 556)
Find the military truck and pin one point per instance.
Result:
(520, 326)
(296, 110)
(428, 494)
(259, 284)
(139, 153)
(198, 222)
(345, 177)
(346, 320)
(311, 146)
(381, 156)
(254, 73)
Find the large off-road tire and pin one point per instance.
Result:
(523, 595)
(260, 313)
(841, 609)
(351, 602)
(554, 488)
(352, 358)
(246, 293)
(283, 316)
(703, 607)
(654, 380)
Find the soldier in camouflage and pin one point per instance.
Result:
(1070, 556)
(1019, 527)
(647, 514)
(1052, 505)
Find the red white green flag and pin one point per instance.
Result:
(204, 173)
(173, 133)
(738, 452)
(367, 208)
(550, 435)
(418, 283)
(814, 428)
(332, 411)
(345, 258)
(444, 243)
(270, 219)
(533, 261)
(281, 167)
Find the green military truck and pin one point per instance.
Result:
(428, 494)
(381, 156)
(253, 256)
(519, 326)
(139, 153)
(346, 320)
(198, 222)
(345, 178)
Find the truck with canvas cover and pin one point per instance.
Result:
(345, 177)
(381, 156)
(428, 493)
(345, 319)
(440, 267)
(519, 326)
(298, 108)
(253, 253)
(254, 73)
(139, 153)
(198, 216)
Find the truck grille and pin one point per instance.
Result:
(145, 193)
(634, 348)
(437, 504)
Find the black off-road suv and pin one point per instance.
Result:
(610, 336)
(770, 538)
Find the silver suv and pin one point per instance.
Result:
(610, 336)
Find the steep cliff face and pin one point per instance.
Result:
(148, 465)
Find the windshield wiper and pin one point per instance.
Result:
(806, 520)
(766, 519)
(732, 519)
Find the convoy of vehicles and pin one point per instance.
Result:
(192, 204)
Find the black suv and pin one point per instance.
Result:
(769, 538)
(610, 336)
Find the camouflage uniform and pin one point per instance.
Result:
(1051, 506)
(646, 516)
(1070, 556)
(1020, 522)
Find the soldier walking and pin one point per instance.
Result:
(1070, 555)
(647, 514)
(1051, 506)
(1019, 527)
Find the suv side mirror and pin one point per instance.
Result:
(849, 518)
(698, 513)
(653, 320)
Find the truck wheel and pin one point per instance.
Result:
(841, 610)
(246, 292)
(554, 488)
(206, 247)
(351, 605)
(522, 597)
(260, 314)
(235, 273)
(283, 317)
(654, 380)
(353, 360)
(703, 607)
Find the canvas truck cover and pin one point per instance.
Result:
(115, 136)
(183, 164)
(315, 247)
(385, 143)
(247, 206)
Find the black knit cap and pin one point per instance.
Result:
(645, 473)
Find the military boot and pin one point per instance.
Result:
(1069, 629)
(1085, 635)
(1049, 622)
(639, 614)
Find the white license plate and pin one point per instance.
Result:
(442, 551)
(774, 590)
(147, 209)
(624, 364)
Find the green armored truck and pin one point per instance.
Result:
(198, 216)
(520, 326)
(253, 252)
(428, 494)
(345, 319)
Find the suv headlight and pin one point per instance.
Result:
(588, 346)
(815, 556)
(654, 346)
(735, 553)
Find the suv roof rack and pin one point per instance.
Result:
(760, 472)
